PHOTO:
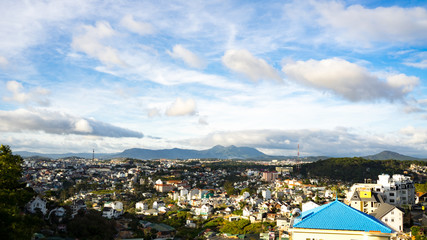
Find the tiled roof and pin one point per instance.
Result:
(339, 216)
(383, 210)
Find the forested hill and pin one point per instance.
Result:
(354, 169)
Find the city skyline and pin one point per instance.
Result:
(339, 78)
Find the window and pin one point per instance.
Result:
(391, 194)
(392, 200)
(392, 219)
(386, 220)
(392, 212)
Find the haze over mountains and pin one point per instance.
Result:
(221, 152)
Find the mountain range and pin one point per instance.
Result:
(221, 152)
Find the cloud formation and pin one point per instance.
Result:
(313, 142)
(141, 28)
(191, 59)
(182, 107)
(243, 62)
(3, 62)
(59, 123)
(349, 80)
(90, 43)
(37, 95)
(382, 24)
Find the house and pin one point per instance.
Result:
(37, 203)
(390, 215)
(309, 205)
(158, 204)
(396, 190)
(108, 212)
(77, 206)
(163, 231)
(420, 197)
(112, 209)
(140, 207)
(366, 201)
(337, 220)
(269, 176)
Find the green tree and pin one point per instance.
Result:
(92, 226)
(13, 197)
(417, 233)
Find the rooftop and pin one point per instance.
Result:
(339, 216)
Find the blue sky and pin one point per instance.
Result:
(339, 78)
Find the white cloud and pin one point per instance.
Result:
(203, 120)
(18, 94)
(314, 142)
(421, 64)
(356, 23)
(153, 112)
(349, 80)
(59, 123)
(415, 135)
(83, 126)
(141, 28)
(91, 43)
(243, 62)
(3, 62)
(187, 56)
(182, 107)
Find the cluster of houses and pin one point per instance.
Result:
(296, 207)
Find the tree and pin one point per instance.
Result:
(13, 197)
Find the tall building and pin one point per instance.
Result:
(269, 176)
(397, 190)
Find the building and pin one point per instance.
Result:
(140, 207)
(269, 176)
(337, 220)
(397, 190)
(390, 215)
(37, 203)
(366, 201)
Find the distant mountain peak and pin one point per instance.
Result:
(387, 155)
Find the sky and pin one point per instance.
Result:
(337, 78)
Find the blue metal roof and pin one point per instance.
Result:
(339, 216)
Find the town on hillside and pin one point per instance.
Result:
(77, 198)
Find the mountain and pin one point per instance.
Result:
(386, 155)
(231, 152)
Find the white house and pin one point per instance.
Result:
(309, 205)
(77, 206)
(140, 207)
(37, 203)
(391, 215)
(266, 194)
(396, 190)
(112, 209)
(158, 204)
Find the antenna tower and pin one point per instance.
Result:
(93, 155)
(298, 160)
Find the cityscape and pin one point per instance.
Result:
(275, 119)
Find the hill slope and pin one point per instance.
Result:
(177, 153)
(386, 155)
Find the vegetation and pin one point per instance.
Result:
(354, 169)
(417, 233)
(244, 226)
(13, 197)
(91, 226)
(422, 187)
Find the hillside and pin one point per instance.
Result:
(354, 169)
(387, 155)
(231, 152)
